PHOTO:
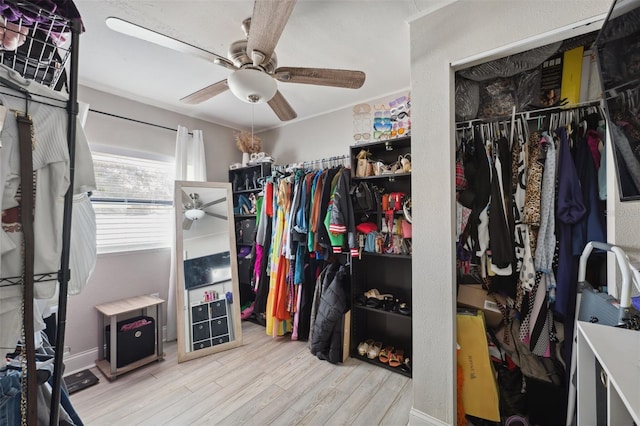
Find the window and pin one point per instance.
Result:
(133, 202)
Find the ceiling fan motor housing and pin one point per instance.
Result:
(252, 85)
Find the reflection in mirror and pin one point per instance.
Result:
(618, 54)
(207, 283)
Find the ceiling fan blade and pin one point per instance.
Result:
(321, 77)
(281, 107)
(219, 216)
(186, 224)
(206, 93)
(137, 31)
(267, 23)
(212, 203)
(186, 200)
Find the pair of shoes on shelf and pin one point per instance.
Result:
(374, 350)
(404, 309)
(252, 200)
(244, 206)
(374, 293)
(363, 347)
(373, 302)
(234, 182)
(396, 358)
(393, 357)
(405, 163)
(385, 354)
(406, 365)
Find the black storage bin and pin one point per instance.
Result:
(246, 231)
(218, 309)
(201, 331)
(245, 267)
(220, 340)
(134, 344)
(202, 345)
(199, 313)
(219, 326)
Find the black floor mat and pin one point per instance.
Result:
(80, 380)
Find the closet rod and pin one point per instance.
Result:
(134, 120)
(614, 91)
(527, 114)
(307, 164)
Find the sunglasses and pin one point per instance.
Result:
(382, 125)
(381, 107)
(400, 116)
(381, 114)
(359, 136)
(361, 109)
(381, 135)
(398, 101)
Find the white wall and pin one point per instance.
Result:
(327, 135)
(457, 31)
(118, 276)
(324, 136)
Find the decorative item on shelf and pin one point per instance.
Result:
(260, 157)
(248, 144)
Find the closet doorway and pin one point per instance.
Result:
(529, 141)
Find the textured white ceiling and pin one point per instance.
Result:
(370, 36)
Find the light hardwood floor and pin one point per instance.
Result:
(266, 381)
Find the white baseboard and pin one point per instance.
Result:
(418, 418)
(80, 361)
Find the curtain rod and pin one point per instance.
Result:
(134, 120)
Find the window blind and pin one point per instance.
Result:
(133, 202)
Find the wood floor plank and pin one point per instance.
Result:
(381, 400)
(398, 412)
(356, 402)
(265, 381)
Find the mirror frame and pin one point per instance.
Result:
(181, 307)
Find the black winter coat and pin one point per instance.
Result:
(326, 342)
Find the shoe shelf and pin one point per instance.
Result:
(388, 273)
(391, 255)
(248, 191)
(381, 311)
(246, 183)
(388, 144)
(378, 363)
(387, 176)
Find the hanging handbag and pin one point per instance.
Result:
(407, 229)
(364, 168)
(396, 200)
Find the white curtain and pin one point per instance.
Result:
(190, 165)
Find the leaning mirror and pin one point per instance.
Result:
(207, 297)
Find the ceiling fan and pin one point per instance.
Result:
(252, 61)
(194, 209)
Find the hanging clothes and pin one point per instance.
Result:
(326, 342)
(51, 177)
(312, 217)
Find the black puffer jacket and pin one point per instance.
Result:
(326, 342)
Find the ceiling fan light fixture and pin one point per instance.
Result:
(194, 214)
(252, 86)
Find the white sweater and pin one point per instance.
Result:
(51, 166)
